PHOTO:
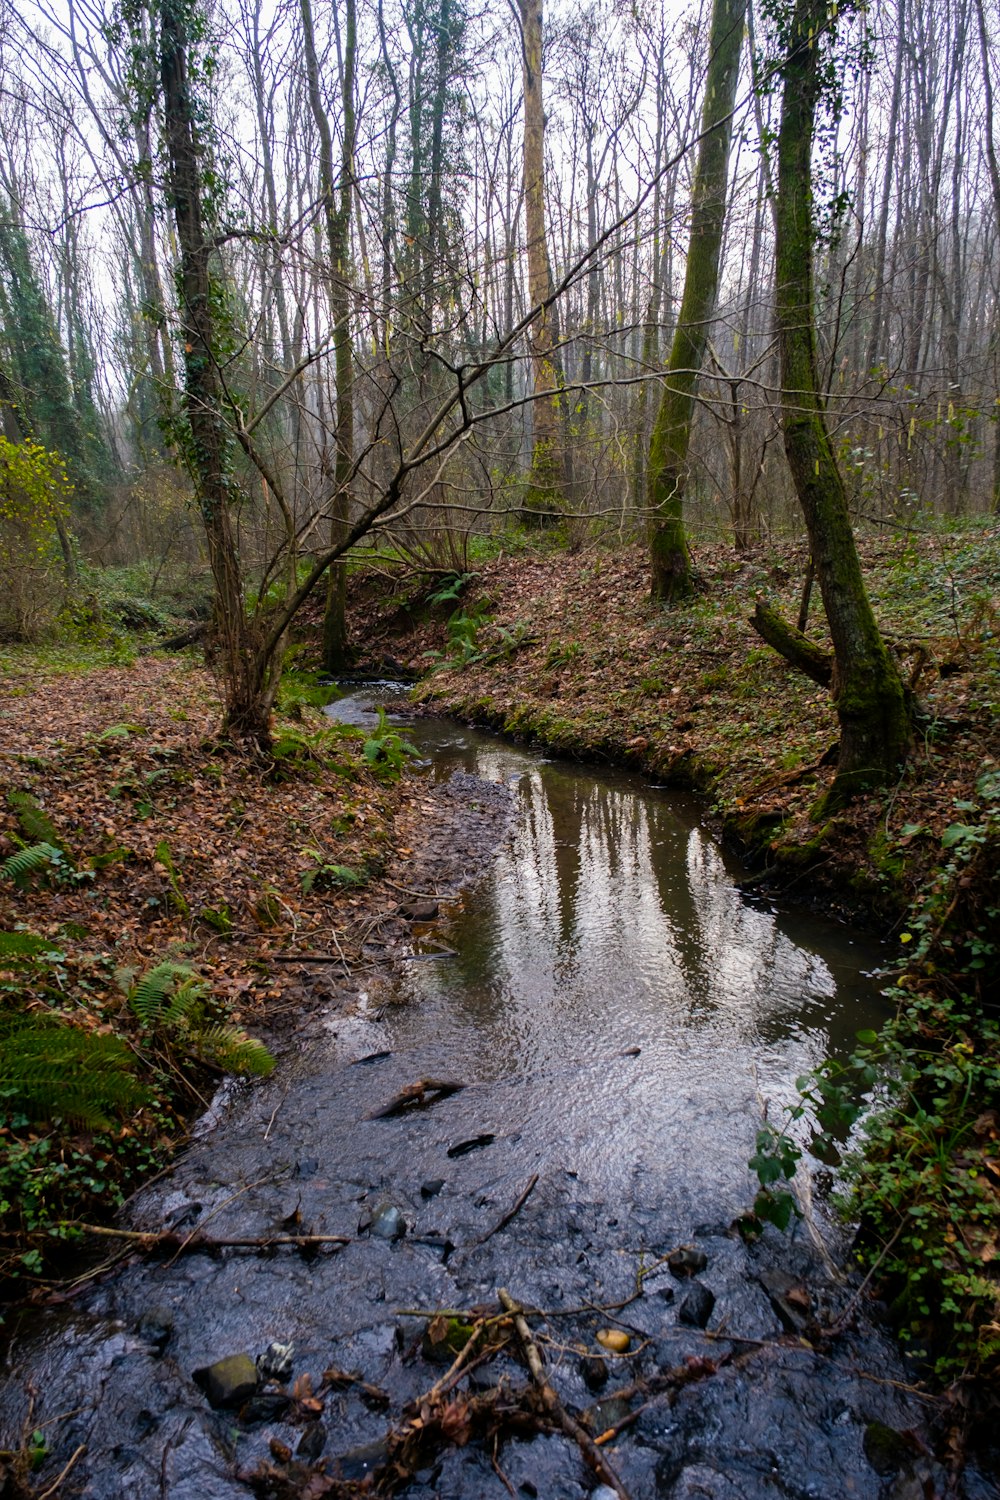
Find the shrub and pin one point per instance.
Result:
(34, 495)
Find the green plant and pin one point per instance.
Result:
(450, 589)
(172, 1000)
(922, 1177)
(560, 654)
(386, 750)
(324, 875)
(164, 865)
(50, 1069)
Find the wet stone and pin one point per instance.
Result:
(312, 1442)
(593, 1372)
(388, 1223)
(276, 1362)
(885, 1449)
(696, 1307)
(156, 1327)
(358, 1463)
(268, 1406)
(432, 1188)
(607, 1414)
(229, 1381)
(687, 1261)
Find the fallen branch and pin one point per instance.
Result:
(151, 1239)
(424, 1091)
(511, 1213)
(592, 1454)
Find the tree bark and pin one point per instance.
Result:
(337, 218)
(543, 500)
(668, 450)
(248, 685)
(870, 701)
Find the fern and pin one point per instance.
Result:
(20, 867)
(170, 999)
(162, 996)
(34, 821)
(234, 1051)
(51, 1070)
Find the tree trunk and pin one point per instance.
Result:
(544, 498)
(871, 705)
(668, 450)
(338, 229)
(248, 684)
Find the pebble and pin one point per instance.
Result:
(388, 1223)
(614, 1340)
(687, 1261)
(594, 1372)
(229, 1381)
(696, 1307)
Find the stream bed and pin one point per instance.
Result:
(618, 1014)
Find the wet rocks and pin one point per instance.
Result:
(696, 1306)
(229, 1381)
(312, 1442)
(266, 1406)
(276, 1362)
(156, 1327)
(687, 1261)
(593, 1372)
(418, 911)
(387, 1223)
(432, 1188)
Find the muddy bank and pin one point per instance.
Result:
(573, 1164)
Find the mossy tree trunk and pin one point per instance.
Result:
(250, 675)
(668, 449)
(544, 496)
(869, 695)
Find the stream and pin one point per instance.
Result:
(618, 1013)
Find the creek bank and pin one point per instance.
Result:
(565, 649)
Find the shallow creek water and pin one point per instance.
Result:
(618, 1012)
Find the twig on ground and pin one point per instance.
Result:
(592, 1454)
(511, 1213)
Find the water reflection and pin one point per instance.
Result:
(610, 921)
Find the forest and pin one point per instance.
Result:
(623, 378)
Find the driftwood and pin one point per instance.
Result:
(796, 648)
(424, 1091)
(591, 1452)
(169, 1239)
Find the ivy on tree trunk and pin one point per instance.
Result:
(871, 703)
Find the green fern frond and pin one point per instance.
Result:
(231, 1049)
(27, 862)
(34, 821)
(51, 1070)
(22, 945)
(155, 991)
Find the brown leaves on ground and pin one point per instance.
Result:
(196, 849)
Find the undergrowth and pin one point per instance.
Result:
(99, 1068)
(923, 1179)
